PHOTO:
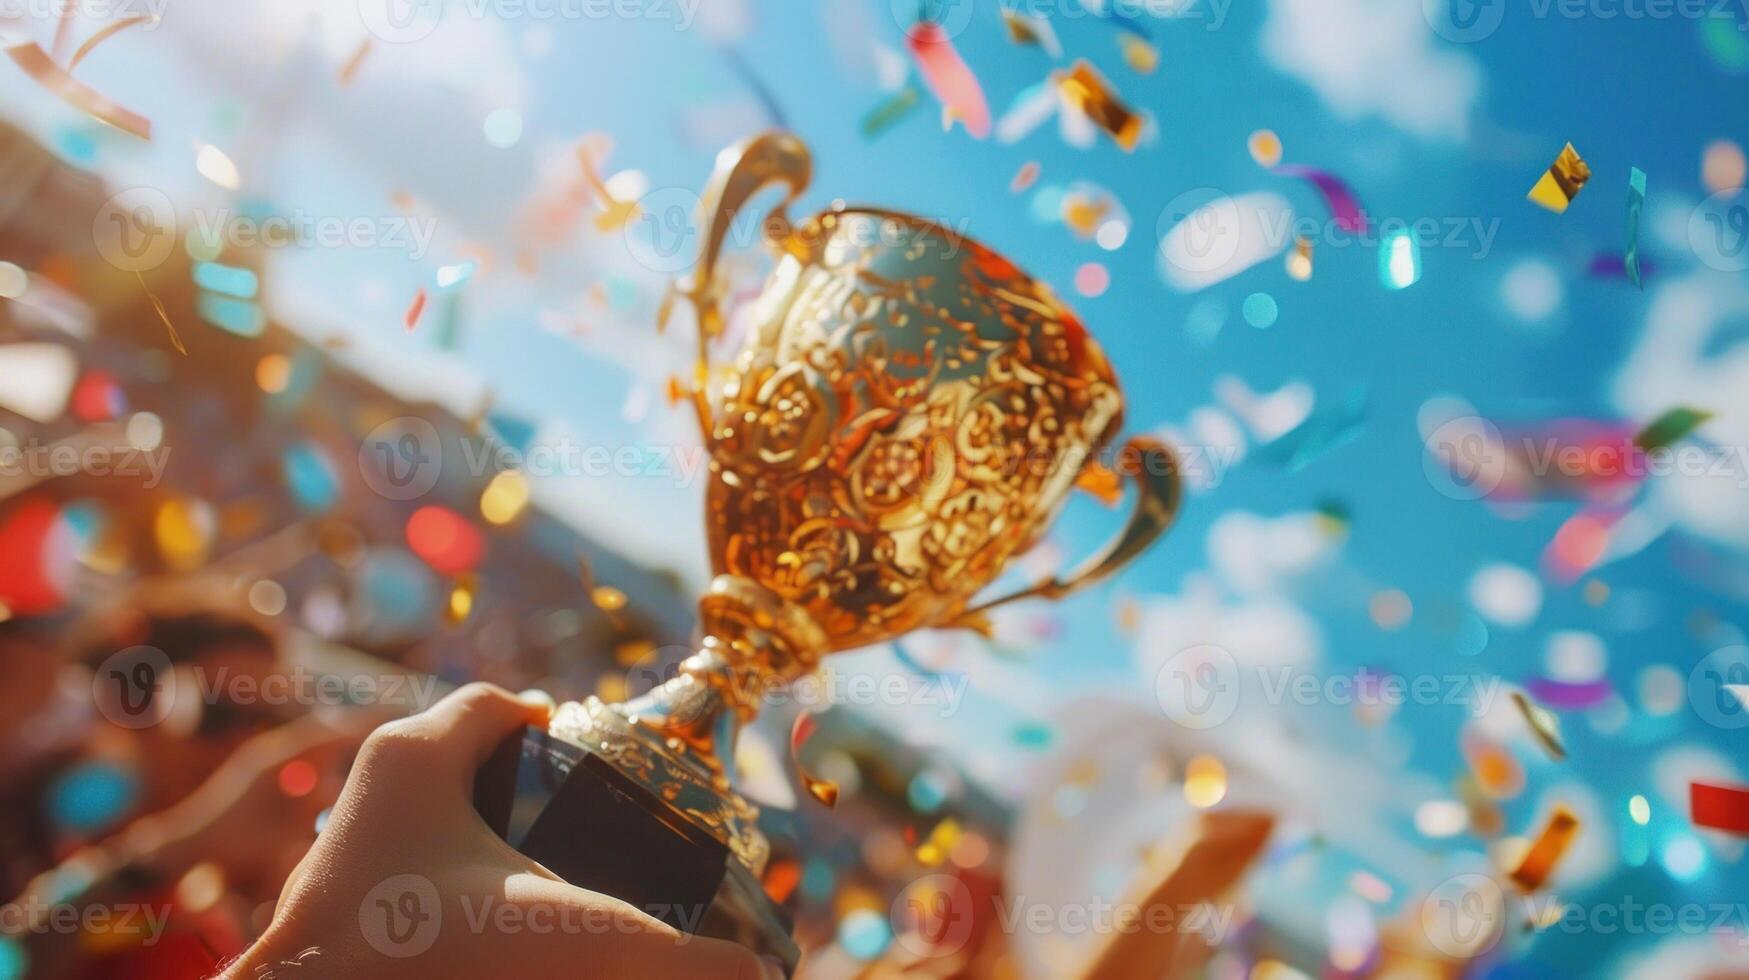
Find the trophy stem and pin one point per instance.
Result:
(678, 741)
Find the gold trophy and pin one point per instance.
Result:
(909, 412)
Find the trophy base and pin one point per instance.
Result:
(586, 821)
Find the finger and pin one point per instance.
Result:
(619, 939)
(645, 954)
(471, 723)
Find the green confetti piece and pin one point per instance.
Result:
(1670, 428)
(1727, 45)
(890, 111)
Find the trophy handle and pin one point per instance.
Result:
(1158, 491)
(742, 171)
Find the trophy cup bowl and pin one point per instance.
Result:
(908, 412)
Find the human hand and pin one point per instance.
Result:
(407, 880)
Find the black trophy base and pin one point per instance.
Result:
(585, 821)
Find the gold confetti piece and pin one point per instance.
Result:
(1101, 481)
(1265, 148)
(1141, 55)
(1088, 91)
(1564, 180)
(158, 304)
(1025, 177)
(461, 600)
(823, 790)
(1083, 212)
(615, 213)
(1543, 724)
(1544, 855)
(936, 847)
(1021, 28)
(103, 34)
(677, 391)
(606, 598)
(1299, 261)
(51, 77)
(349, 70)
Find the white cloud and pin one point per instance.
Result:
(1378, 58)
(1691, 353)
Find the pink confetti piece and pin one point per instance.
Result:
(43, 70)
(415, 310)
(949, 78)
(1568, 695)
(1343, 206)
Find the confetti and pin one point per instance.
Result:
(615, 213)
(948, 77)
(213, 164)
(1299, 261)
(1031, 107)
(163, 315)
(1546, 853)
(1025, 177)
(461, 600)
(1084, 89)
(1636, 204)
(1399, 260)
(415, 310)
(889, 111)
(1723, 167)
(1569, 695)
(1543, 724)
(823, 790)
(605, 597)
(1032, 31)
(103, 34)
(1671, 427)
(1335, 192)
(1265, 148)
(349, 68)
(1717, 807)
(1092, 279)
(1562, 182)
(1323, 431)
(1139, 53)
(36, 63)
(1611, 265)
